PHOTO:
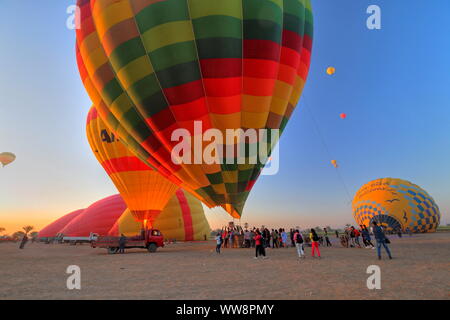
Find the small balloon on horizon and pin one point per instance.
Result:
(343, 115)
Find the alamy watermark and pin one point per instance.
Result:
(374, 20)
(74, 280)
(374, 280)
(228, 147)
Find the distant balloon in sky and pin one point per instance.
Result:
(343, 115)
(145, 191)
(160, 67)
(334, 163)
(331, 70)
(6, 158)
(396, 204)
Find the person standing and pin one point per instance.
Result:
(284, 238)
(380, 239)
(291, 236)
(327, 240)
(218, 242)
(299, 244)
(24, 241)
(247, 239)
(274, 239)
(225, 237)
(252, 238)
(259, 247)
(231, 238)
(337, 234)
(122, 243)
(314, 243)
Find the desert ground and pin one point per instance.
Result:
(420, 270)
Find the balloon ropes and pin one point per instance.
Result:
(333, 162)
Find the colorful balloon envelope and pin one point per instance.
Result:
(331, 71)
(6, 158)
(334, 163)
(145, 191)
(396, 204)
(183, 219)
(152, 67)
(343, 115)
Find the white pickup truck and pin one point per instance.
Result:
(74, 240)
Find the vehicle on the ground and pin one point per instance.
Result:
(151, 240)
(76, 240)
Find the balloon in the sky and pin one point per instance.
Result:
(331, 71)
(334, 163)
(343, 115)
(182, 219)
(396, 204)
(152, 67)
(6, 158)
(145, 191)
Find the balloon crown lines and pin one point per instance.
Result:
(227, 147)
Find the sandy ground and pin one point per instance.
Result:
(420, 270)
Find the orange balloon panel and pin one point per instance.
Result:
(144, 190)
(182, 219)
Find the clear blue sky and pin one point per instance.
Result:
(393, 84)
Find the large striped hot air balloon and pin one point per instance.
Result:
(145, 191)
(182, 219)
(152, 67)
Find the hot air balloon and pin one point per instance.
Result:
(334, 163)
(145, 191)
(331, 71)
(54, 228)
(397, 205)
(98, 218)
(6, 158)
(152, 67)
(182, 219)
(343, 115)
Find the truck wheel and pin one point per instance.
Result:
(112, 250)
(152, 247)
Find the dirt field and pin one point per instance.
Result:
(420, 270)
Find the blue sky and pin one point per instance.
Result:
(392, 83)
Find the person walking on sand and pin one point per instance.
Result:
(260, 250)
(380, 239)
(23, 242)
(299, 244)
(218, 242)
(122, 242)
(314, 243)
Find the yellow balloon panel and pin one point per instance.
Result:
(396, 204)
(145, 191)
(182, 219)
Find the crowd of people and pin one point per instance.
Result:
(262, 238)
